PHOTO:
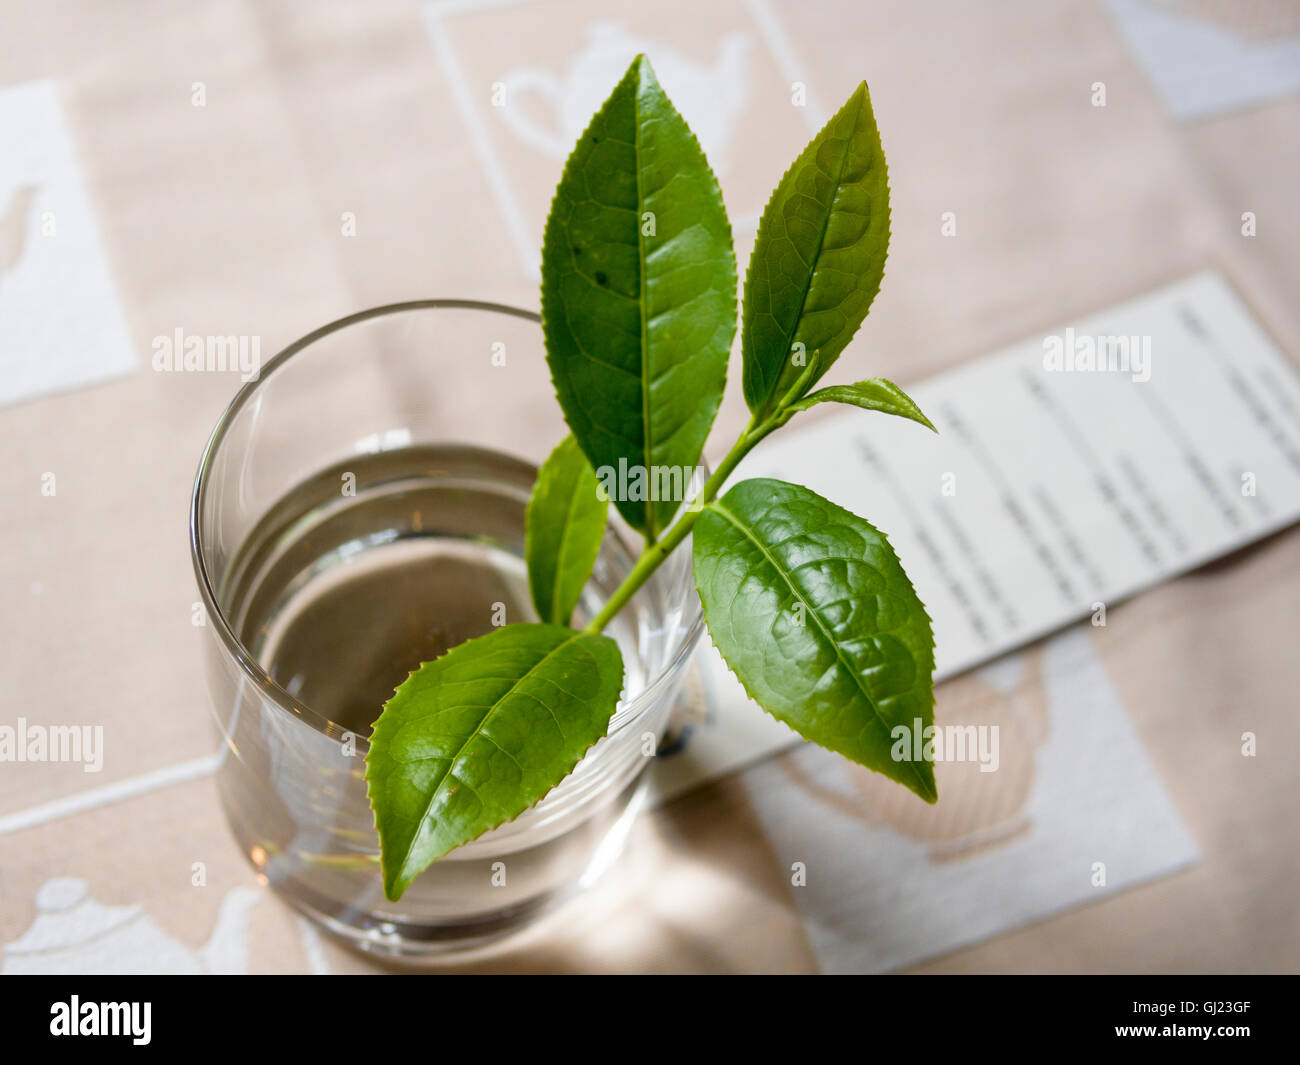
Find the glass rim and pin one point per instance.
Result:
(249, 666)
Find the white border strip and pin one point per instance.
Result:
(778, 43)
(525, 245)
(110, 793)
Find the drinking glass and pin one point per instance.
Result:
(358, 510)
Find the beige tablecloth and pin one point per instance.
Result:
(229, 219)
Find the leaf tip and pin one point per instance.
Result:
(395, 884)
(927, 789)
(642, 71)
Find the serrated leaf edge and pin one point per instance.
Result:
(771, 200)
(734, 272)
(402, 884)
(929, 795)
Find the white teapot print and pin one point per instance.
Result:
(75, 935)
(712, 97)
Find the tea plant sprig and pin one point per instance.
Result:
(806, 602)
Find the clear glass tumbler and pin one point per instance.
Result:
(358, 510)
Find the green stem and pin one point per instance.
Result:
(655, 553)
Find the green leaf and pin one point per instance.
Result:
(810, 608)
(639, 291)
(875, 393)
(819, 256)
(563, 527)
(473, 739)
